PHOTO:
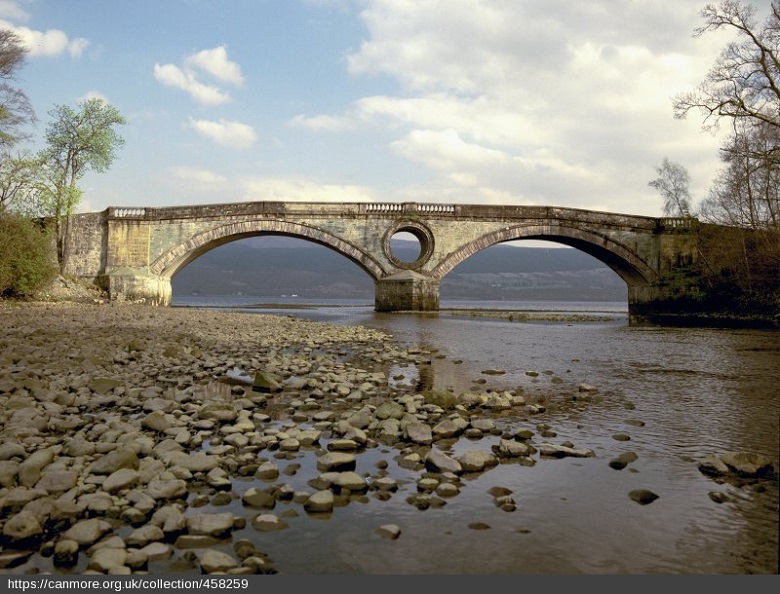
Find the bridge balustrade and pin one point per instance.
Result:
(128, 213)
(677, 222)
(409, 207)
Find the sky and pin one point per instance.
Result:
(515, 102)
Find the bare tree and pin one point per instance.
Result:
(673, 183)
(744, 82)
(742, 250)
(746, 192)
(15, 109)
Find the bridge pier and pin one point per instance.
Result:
(132, 285)
(407, 291)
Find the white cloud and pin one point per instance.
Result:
(301, 190)
(173, 76)
(52, 42)
(196, 179)
(213, 62)
(446, 151)
(555, 102)
(323, 122)
(469, 171)
(226, 133)
(12, 10)
(489, 119)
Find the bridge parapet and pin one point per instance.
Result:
(463, 211)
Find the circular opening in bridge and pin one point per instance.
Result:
(405, 246)
(408, 245)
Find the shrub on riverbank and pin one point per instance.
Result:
(26, 258)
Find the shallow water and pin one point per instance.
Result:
(677, 395)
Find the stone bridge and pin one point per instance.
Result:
(134, 252)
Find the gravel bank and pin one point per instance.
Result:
(119, 423)
(125, 419)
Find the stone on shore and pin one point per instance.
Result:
(438, 461)
(22, 526)
(87, 532)
(389, 531)
(320, 502)
(124, 478)
(268, 523)
(737, 464)
(214, 561)
(107, 560)
(217, 525)
(109, 463)
(643, 496)
(336, 462)
(550, 450)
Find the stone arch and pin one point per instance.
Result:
(625, 262)
(179, 256)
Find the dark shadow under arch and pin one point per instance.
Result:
(627, 264)
(179, 256)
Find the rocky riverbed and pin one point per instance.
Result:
(119, 424)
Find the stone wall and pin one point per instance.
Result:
(86, 257)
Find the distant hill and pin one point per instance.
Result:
(273, 266)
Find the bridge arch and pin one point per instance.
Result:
(625, 262)
(179, 256)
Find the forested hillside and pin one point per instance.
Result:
(271, 267)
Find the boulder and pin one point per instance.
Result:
(438, 461)
(320, 502)
(268, 523)
(550, 450)
(22, 526)
(214, 561)
(477, 461)
(217, 525)
(266, 382)
(336, 462)
(87, 532)
(737, 465)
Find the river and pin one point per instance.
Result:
(670, 395)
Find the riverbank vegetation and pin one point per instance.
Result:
(26, 264)
(43, 187)
(738, 222)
